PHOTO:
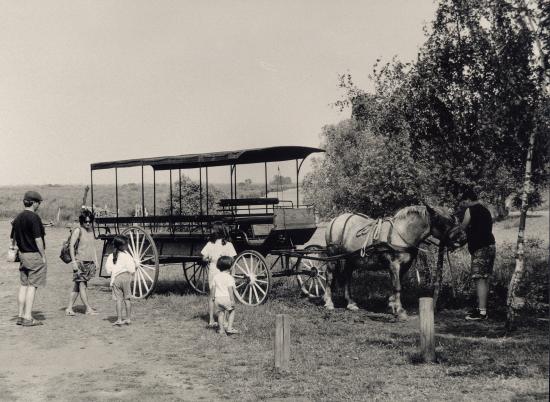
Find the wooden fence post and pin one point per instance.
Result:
(282, 342)
(427, 332)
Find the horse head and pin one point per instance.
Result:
(445, 227)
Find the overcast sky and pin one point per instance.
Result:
(92, 81)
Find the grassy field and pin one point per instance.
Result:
(67, 199)
(168, 354)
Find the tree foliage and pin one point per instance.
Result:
(190, 204)
(362, 172)
(464, 109)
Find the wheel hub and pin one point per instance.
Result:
(313, 272)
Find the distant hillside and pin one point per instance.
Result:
(67, 199)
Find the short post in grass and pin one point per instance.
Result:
(427, 331)
(282, 342)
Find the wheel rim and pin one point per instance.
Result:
(314, 282)
(197, 276)
(144, 252)
(252, 278)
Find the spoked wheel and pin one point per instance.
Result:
(142, 248)
(252, 278)
(197, 276)
(313, 281)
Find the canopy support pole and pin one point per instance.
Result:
(200, 189)
(116, 195)
(207, 199)
(142, 194)
(92, 188)
(265, 176)
(171, 203)
(179, 181)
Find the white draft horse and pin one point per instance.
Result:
(396, 250)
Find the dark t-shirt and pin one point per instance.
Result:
(27, 227)
(480, 229)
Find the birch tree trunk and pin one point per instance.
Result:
(512, 302)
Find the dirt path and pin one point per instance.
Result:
(85, 357)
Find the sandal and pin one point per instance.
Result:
(127, 322)
(232, 331)
(118, 323)
(212, 325)
(31, 323)
(70, 313)
(91, 312)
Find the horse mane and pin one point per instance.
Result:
(417, 210)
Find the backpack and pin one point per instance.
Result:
(65, 254)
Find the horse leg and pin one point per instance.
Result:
(331, 285)
(398, 309)
(348, 271)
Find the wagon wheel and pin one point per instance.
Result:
(252, 278)
(314, 281)
(197, 276)
(144, 251)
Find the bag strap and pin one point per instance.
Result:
(79, 235)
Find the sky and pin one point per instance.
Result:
(93, 81)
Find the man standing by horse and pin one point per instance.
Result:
(478, 225)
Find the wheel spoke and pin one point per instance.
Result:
(139, 283)
(143, 272)
(135, 280)
(143, 254)
(255, 293)
(140, 245)
(144, 282)
(260, 289)
(242, 270)
(240, 284)
(247, 268)
(133, 246)
(151, 267)
(261, 281)
(322, 285)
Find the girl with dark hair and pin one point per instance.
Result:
(122, 267)
(84, 260)
(218, 245)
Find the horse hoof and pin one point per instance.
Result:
(402, 316)
(352, 307)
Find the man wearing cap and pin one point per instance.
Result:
(28, 232)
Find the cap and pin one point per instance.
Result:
(32, 196)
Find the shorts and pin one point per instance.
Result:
(32, 271)
(222, 304)
(121, 286)
(86, 271)
(483, 261)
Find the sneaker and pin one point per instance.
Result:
(475, 315)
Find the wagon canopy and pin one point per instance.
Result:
(239, 157)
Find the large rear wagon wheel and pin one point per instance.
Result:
(252, 278)
(313, 281)
(197, 276)
(142, 248)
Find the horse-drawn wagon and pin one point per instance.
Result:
(256, 226)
